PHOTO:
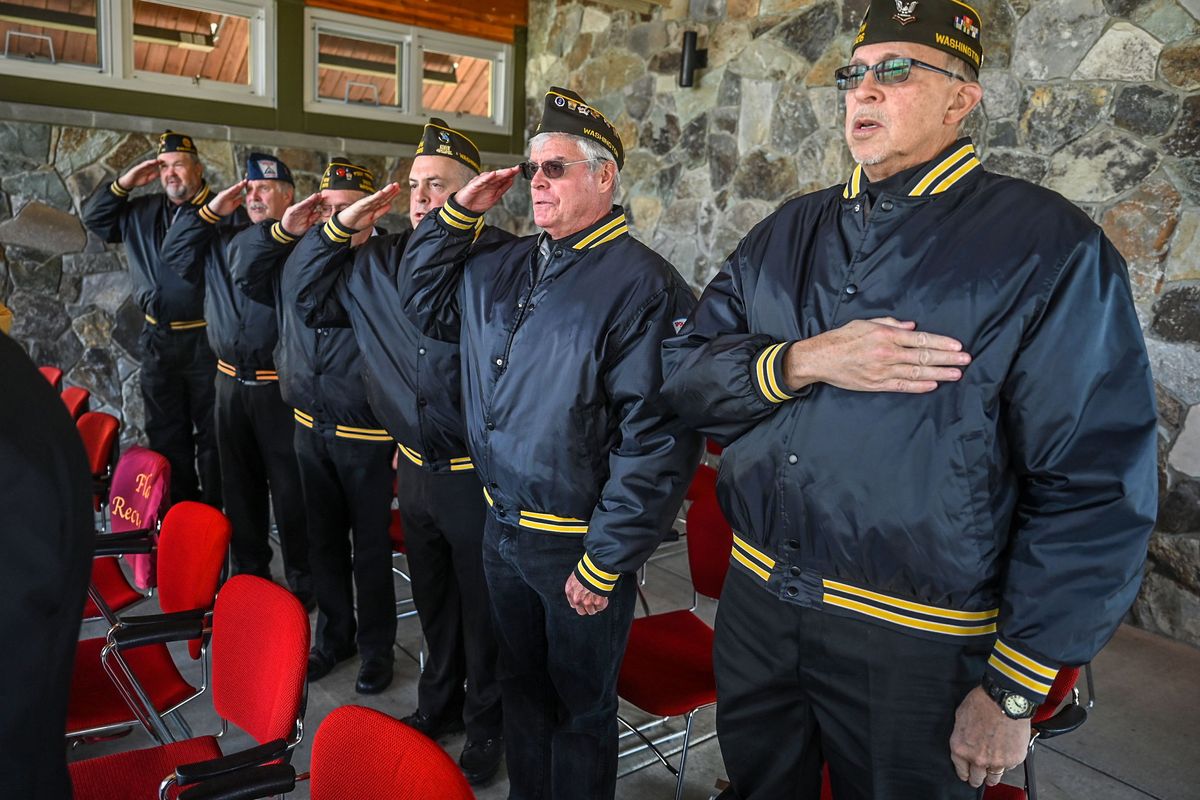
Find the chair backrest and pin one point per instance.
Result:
(1064, 682)
(52, 374)
(99, 433)
(709, 540)
(140, 490)
(259, 657)
(191, 552)
(359, 752)
(76, 399)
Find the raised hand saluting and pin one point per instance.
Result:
(366, 212)
(139, 175)
(303, 215)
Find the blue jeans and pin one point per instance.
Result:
(558, 670)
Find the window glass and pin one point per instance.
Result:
(191, 43)
(50, 31)
(457, 84)
(354, 70)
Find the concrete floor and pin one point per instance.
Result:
(1142, 739)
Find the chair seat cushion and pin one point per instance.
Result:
(135, 775)
(113, 587)
(1002, 791)
(668, 664)
(95, 701)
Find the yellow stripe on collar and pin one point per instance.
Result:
(967, 151)
(610, 230)
(854, 185)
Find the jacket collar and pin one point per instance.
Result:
(951, 166)
(608, 229)
(202, 194)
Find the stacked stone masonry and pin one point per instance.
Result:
(1096, 99)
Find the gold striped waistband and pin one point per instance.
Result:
(258, 374)
(874, 605)
(461, 464)
(344, 431)
(186, 325)
(538, 521)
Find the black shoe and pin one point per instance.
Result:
(481, 760)
(374, 675)
(433, 728)
(321, 663)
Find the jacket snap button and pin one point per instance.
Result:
(558, 253)
(420, 351)
(491, 426)
(794, 572)
(886, 205)
(421, 401)
(793, 544)
(792, 459)
(857, 207)
(851, 289)
(499, 362)
(791, 591)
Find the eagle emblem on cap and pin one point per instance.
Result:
(905, 12)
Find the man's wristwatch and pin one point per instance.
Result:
(1014, 706)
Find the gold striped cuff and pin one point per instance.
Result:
(595, 579)
(458, 217)
(768, 374)
(208, 215)
(116, 189)
(336, 233)
(1033, 676)
(280, 235)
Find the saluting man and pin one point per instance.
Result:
(413, 385)
(583, 466)
(177, 363)
(253, 425)
(343, 453)
(940, 445)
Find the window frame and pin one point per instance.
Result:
(114, 48)
(414, 41)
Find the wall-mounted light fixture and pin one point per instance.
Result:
(692, 60)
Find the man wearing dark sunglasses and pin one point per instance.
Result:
(939, 430)
(583, 467)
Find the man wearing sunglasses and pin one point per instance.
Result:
(583, 467)
(939, 430)
(413, 386)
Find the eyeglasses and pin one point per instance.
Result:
(551, 169)
(893, 70)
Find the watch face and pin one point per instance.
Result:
(1016, 706)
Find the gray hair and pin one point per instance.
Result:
(592, 150)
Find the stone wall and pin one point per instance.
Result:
(68, 290)
(1096, 100)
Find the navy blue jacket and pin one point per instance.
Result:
(1014, 504)
(561, 379)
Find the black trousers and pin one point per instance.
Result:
(443, 516)
(558, 670)
(348, 496)
(796, 686)
(258, 465)
(178, 368)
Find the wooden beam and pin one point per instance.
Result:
(491, 19)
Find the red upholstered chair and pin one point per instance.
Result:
(357, 753)
(712, 447)
(704, 483)
(396, 533)
(259, 639)
(137, 500)
(54, 375)
(99, 433)
(76, 399)
(667, 670)
(114, 687)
